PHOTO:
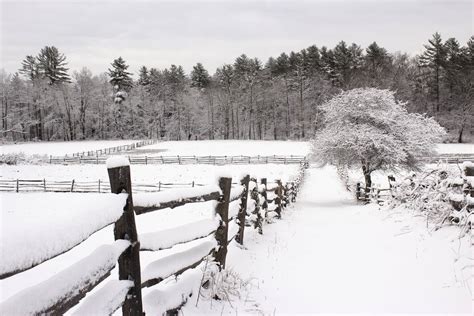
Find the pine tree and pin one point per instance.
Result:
(29, 68)
(200, 77)
(376, 59)
(434, 58)
(143, 77)
(52, 65)
(120, 79)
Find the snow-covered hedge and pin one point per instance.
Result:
(438, 193)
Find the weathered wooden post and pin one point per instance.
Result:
(469, 172)
(263, 182)
(255, 196)
(358, 191)
(44, 184)
(243, 209)
(129, 262)
(222, 209)
(72, 185)
(279, 198)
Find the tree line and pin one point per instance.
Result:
(246, 99)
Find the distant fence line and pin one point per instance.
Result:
(98, 186)
(183, 160)
(116, 149)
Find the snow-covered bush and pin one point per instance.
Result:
(12, 158)
(367, 128)
(438, 193)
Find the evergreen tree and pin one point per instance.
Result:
(200, 77)
(52, 65)
(434, 58)
(376, 59)
(29, 68)
(120, 78)
(143, 77)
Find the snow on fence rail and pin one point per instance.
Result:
(183, 160)
(114, 150)
(246, 204)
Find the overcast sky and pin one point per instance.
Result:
(161, 33)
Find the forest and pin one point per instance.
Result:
(245, 99)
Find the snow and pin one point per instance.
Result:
(157, 198)
(167, 266)
(117, 161)
(167, 238)
(331, 255)
(106, 300)
(66, 283)
(234, 208)
(226, 148)
(39, 226)
(170, 293)
(183, 174)
(455, 148)
(61, 148)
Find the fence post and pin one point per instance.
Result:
(72, 185)
(358, 191)
(263, 182)
(243, 209)
(279, 198)
(99, 185)
(129, 261)
(159, 186)
(44, 184)
(193, 184)
(17, 185)
(222, 209)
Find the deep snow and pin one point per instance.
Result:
(331, 255)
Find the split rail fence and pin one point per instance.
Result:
(115, 149)
(183, 160)
(247, 204)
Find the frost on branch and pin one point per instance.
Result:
(368, 129)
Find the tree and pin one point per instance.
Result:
(84, 86)
(376, 59)
(367, 128)
(433, 59)
(120, 79)
(52, 65)
(143, 77)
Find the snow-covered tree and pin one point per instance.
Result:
(120, 79)
(368, 129)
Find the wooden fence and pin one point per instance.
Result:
(233, 213)
(183, 160)
(98, 186)
(114, 150)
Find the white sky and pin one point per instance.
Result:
(161, 33)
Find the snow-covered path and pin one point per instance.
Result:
(331, 255)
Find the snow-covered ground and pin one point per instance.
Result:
(203, 174)
(225, 148)
(330, 255)
(455, 148)
(61, 148)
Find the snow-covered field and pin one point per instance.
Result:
(455, 148)
(330, 255)
(327, 255)
(226, 148)
(61, 148)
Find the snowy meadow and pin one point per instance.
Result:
(324, 247)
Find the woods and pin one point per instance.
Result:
(245, 99)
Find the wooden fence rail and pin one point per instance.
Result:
(98, 186)
(184, 160)
(210, 237)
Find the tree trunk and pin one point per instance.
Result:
(368, 179)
